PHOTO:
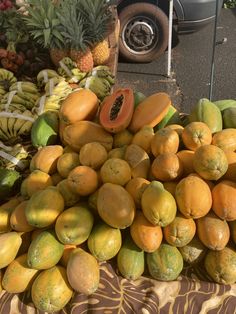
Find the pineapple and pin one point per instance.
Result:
(101, 53)
(98, 20)
(73, 30)
(44, 26)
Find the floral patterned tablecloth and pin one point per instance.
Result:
(193, 293)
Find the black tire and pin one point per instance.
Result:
(154, 38)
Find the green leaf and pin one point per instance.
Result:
(46, 23)
(47, 36)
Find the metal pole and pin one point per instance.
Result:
(213, 53)
(170, 37)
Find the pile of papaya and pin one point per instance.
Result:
(130, 180)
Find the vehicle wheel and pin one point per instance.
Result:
(143, 32)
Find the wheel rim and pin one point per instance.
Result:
(140, 35)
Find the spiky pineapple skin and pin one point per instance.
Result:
(101, 53)
(84, 60)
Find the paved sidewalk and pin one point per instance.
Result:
(191, 60)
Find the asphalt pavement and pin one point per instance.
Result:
(191, 66)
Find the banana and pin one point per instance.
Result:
(66, 65)
(2, 91)
(51, 106)
(6, 75)
(68, 62)
(27, 125)
(10, 123)
(14, 106)
(4, 121)
(77, 76)
(31, 98)
(111, 79)
(4, 136)
(26, 128)
(18, 124)
(23, 86)
(106, 83)
(96, 85)
(103, 71)
(44, 76)
(56, 86)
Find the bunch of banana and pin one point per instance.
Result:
(66, 65)
(7, 78)
(103, 71)
(99, 85)
(15, 123)
(56, 89)
(44, 76)
(15, 157)
(27, 91)
(22, 98)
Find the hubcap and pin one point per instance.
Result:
(140, 35)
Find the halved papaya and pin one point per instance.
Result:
(117, 110)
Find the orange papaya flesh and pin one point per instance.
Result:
(117, 110)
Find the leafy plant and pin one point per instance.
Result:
(230, 3)
(13, 26)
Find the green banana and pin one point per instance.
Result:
(103, 71)
(66, 65)
(96, 85)
(6, 75)
(77, 76)
(29, 96)
(12, 107)
(22, 86)
(3, 136)
(4, 120)
(3, 131)
(45, 75)
(10, 123)
(2, 91)
(27, 125)
(26, 128)
(18, 124)
(68, 62)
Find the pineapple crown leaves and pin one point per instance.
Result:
(43, 23)
(73, 26)
(97, 18)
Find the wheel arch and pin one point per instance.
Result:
(162, 4)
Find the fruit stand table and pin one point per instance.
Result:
(191, 293)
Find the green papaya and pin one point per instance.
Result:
(104, 242)
(172, 117)
(158, 204)
(138, 98)
(221, 265)
(225, 103)
(166, 263)
(45, 129)
(130, 260)
(10, 182)
(45, 251)
(207, 112)
(229, 117)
